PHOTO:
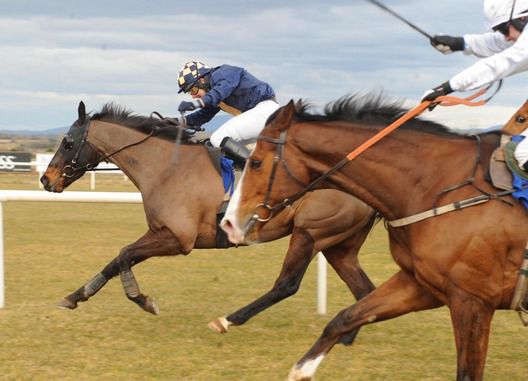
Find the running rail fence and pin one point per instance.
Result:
(109, 197)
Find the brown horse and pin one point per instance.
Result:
(467, 260)
(181, 211)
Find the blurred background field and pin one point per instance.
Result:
(51, 249)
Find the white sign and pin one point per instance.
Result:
(42, 161)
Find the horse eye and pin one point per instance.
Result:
(520, 119)
(255, 164)
(67, 142)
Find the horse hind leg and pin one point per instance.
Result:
(398, 296)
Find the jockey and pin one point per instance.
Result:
(504, 49)
(233, 90)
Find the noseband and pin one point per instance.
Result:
(278, 158)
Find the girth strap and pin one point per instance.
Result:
(440, 210)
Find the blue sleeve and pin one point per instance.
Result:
(201, 116)
(225, 82)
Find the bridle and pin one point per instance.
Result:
(278, 158)
(288, 201)
(70, 169)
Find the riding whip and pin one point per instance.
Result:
(416, 28)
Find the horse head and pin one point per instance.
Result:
(73, 157)
(518, 122)
(260, 188)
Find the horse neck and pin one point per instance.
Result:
(399, 175)
(151, 162)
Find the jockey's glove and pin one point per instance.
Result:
(447, 44)
(432, 94)
(190, 106)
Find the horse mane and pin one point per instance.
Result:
(371, 109)
(113, 113)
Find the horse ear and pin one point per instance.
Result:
(286, 115)
(81, 110)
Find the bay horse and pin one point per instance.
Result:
(181, 201)
(468, 259)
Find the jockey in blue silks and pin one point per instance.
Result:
(233, 90)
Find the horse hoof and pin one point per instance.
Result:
(219, 325)
(296, 374)
(67, 304)
(151, 306)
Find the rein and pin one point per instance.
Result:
(281, 141)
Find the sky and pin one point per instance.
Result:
(56, 53)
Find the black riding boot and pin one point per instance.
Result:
(235, 151)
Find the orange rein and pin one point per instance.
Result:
(444, 100)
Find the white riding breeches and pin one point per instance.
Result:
(521, 151)
(246, 126)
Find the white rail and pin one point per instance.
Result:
(119, 197)
(21, 195)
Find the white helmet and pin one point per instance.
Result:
(499, 11)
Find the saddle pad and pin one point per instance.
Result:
(228, 175)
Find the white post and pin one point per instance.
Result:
(92, 180)
(38, 180)
(2, 292)
(321, 284)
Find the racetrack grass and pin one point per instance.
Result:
(53, 248)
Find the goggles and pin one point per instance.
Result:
(503, 28)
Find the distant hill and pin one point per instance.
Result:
(210, 126)
(50, 132)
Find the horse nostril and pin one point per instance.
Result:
(44, 181)
(226, 225)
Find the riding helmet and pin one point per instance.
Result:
(501, 11)
(190, 73)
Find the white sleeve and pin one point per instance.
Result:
(486, 44)
(498, 66)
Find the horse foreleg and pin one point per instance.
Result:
(471, 318)
(300, 253)
(91, 287)
(152, 244)
(398, 296)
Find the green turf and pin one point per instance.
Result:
(53, 248)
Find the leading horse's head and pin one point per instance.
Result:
(260, 193)
(74, 156)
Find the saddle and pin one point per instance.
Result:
(503, 165)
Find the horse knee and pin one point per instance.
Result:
(288, 288)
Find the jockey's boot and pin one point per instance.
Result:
(235, 151)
